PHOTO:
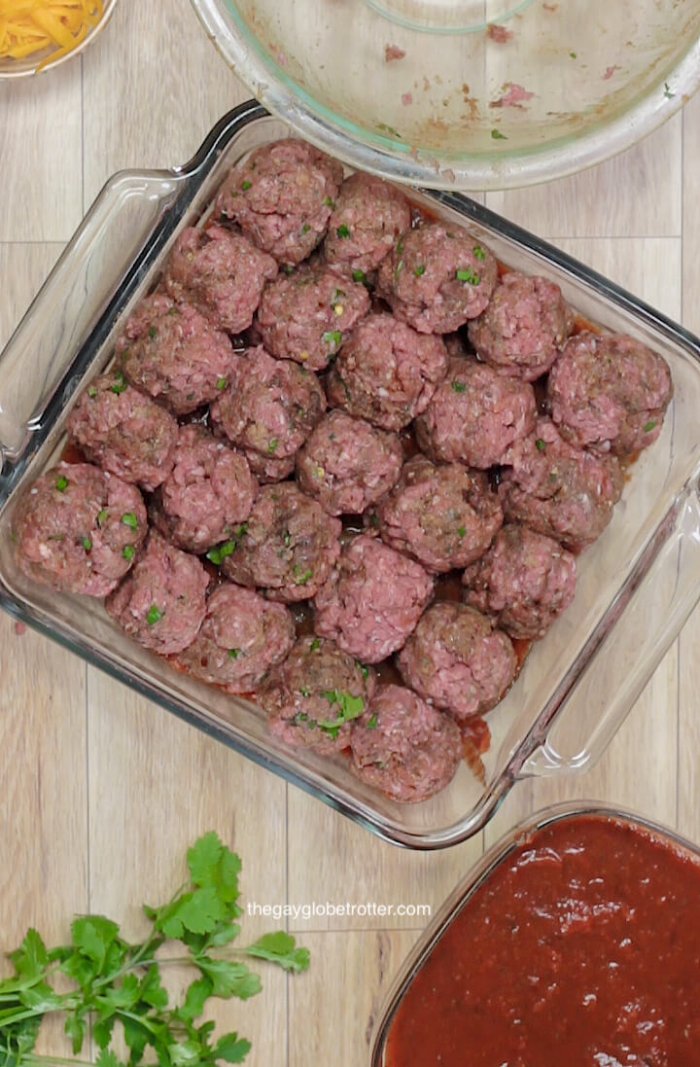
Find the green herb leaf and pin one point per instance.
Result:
(198, 993)
(128, 552)
(468, 275)
(231, 1048)
(221, 384)
(62, 483)
(359, 276)
(87, 544)
(479, 253)
(329, 202)
(130, 519)
(372, 722)
(102, 517)
(419, 271)
(31, 958)
(230, 979)
(498, 136)
(301, 577)
(540, 445)
(334, 338)
(152, 332)
(154, 615)
(120, 383)
(458, 386)
(315, 645)
(272, 445)
(234, 653)
(280, 948)
(343, 232)
(649, 426)
(92, 392)
(461, 531)
(246, 185)
(349, 707)
(92, 935)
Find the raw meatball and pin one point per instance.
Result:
(305, 316)
(209, 491)
(367, 220)
(313, 698)
(458, 661)
(405, 748)
(267, 469)
(347, 464)
(476, 415)
(525, 581)
(288, 547)
(174, 354)
(559, 490)
(386, 372)
(124, 431)
(271, 408)
(162, 603)
(609, 393)
(523, 327)
(282, 197)
(444, 516)
(372, 600)
(221, 274)
(437, 277)
(242, 636)
(78, 529)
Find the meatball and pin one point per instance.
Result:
(124, 431)
(458, 661)
(242, 637)
(367, 220)
(267, 469)
(288, 546)
(405, 748)
(372, 600)
(609, 393)
(174, 354)
(525, 581)
(444, 516)
(386, 372)
(347, 464)
(304, 316)
(272, 407)
(476, 415)
(209, 491)
(281, 196)
(523, 327)
(221, 274)
(313, 698)
(78, 529)
(162, 602)
(437, 277)
(559, 490)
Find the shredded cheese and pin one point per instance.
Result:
(29, 27)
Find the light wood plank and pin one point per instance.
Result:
(334, 1010)
(635, 194)
(689, 751)
(41, 156)
(155, 87)
(156, 784)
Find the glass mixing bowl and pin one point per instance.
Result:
(472, 94)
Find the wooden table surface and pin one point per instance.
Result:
(102, 791)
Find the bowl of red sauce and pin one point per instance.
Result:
(575, 942)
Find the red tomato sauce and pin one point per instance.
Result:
(582, 949)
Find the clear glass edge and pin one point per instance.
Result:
(216, 141)
(33, 70)
(302, 113)
(479, 874)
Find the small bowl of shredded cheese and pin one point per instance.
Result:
(36, 35)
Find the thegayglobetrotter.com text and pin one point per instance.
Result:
(329, 909)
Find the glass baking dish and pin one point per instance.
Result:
(637, 584)
(479, 876)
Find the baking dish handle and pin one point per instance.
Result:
(92, 273)
(658, 597)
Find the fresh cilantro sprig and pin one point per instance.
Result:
(117, 987)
